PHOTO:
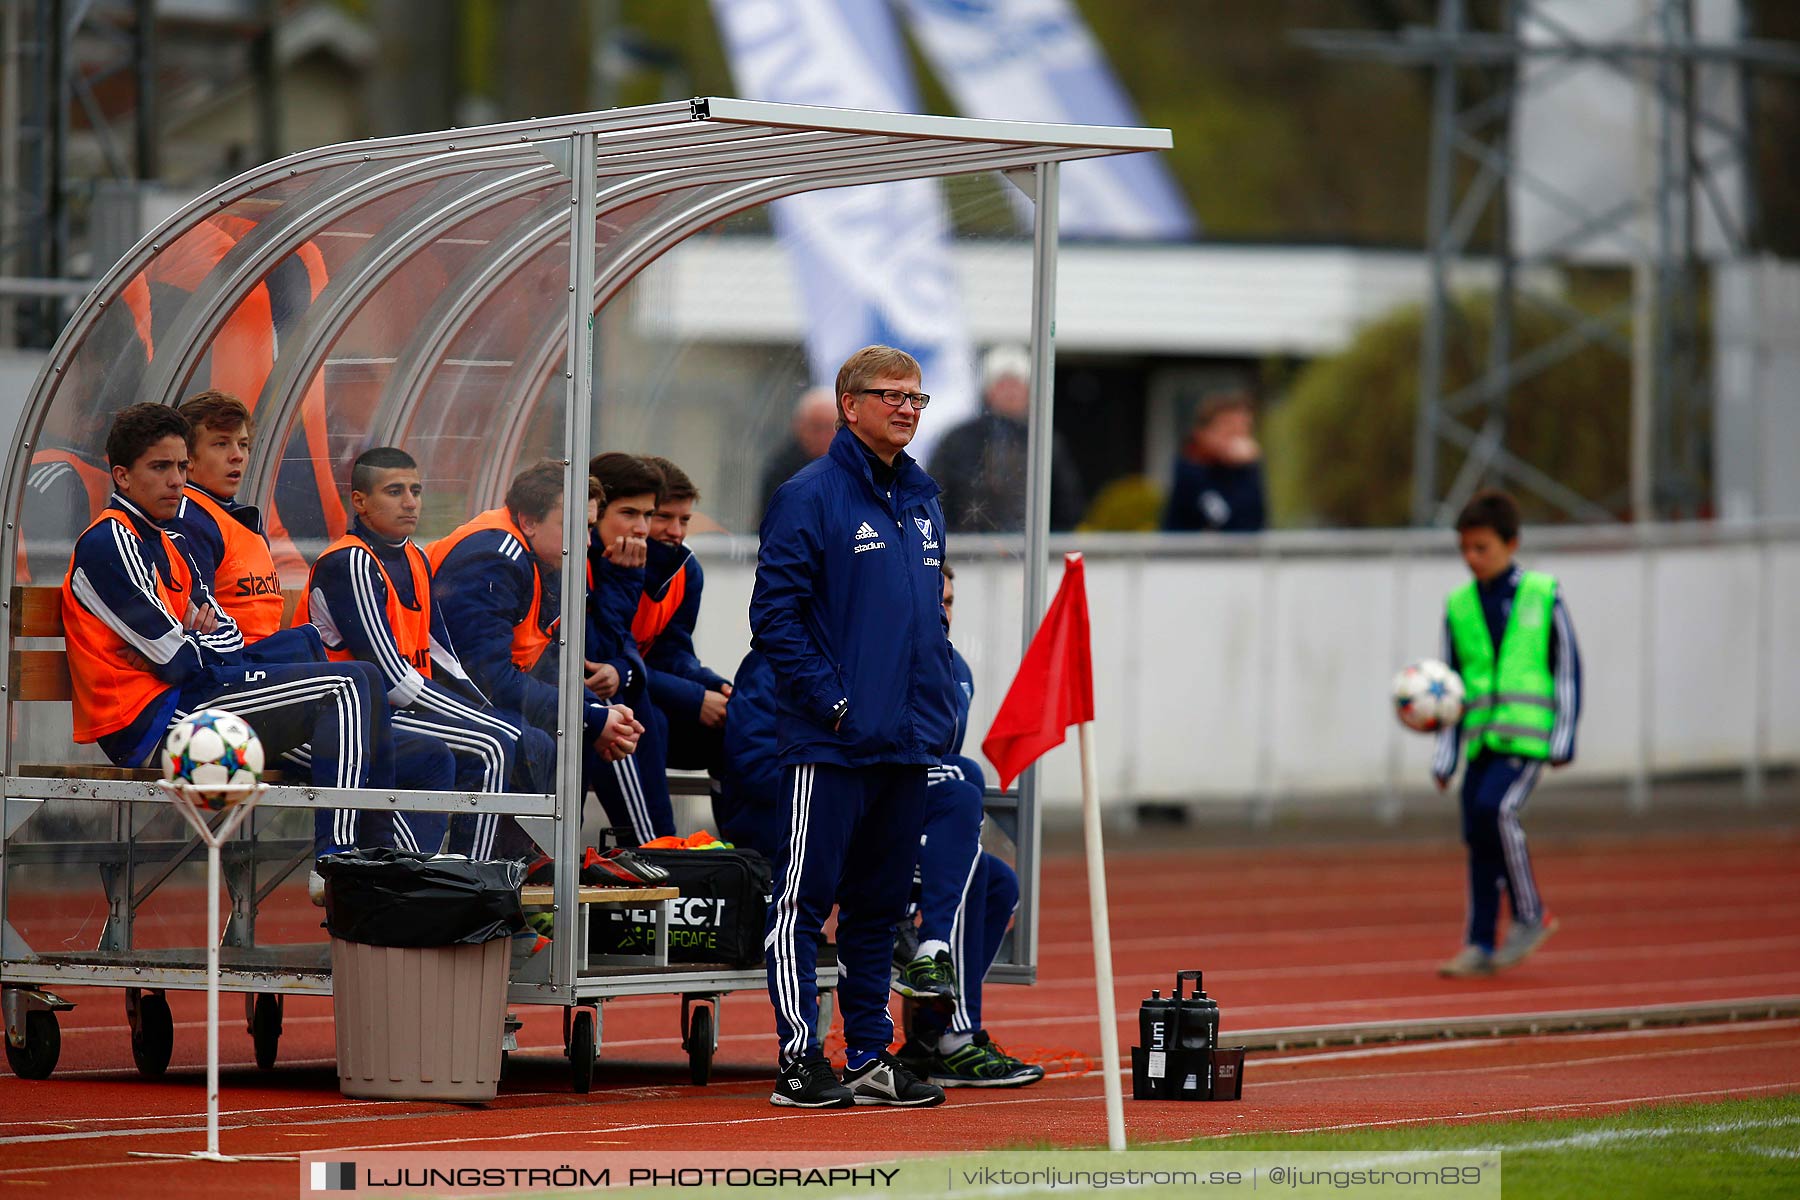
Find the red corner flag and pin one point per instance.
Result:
(1054, 688)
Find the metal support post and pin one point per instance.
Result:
(578, 372)
(1037, 512)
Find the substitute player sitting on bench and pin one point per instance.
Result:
(690, 697)
(225, 539)
(497, 579)
(147, 645)
(634, 791)
(370, 596)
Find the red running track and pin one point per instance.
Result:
(1314, 936)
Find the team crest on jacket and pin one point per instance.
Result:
(924, 527)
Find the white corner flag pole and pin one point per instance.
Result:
(1097, 916)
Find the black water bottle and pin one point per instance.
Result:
(1156, 1024)
(1199, 1014)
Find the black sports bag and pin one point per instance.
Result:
(718, 919)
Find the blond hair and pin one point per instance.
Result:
(869, 363)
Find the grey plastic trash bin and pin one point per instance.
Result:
(419, 1023)
(420, 949)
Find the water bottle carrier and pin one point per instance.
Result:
(1191, 1065)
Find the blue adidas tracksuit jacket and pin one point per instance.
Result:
(849, 609)
(679, 681)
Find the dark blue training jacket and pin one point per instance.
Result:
(484, 589)
(849, 609)
(751, 764)
(1217, 497)
(679, 681)
(611, 604)
(965, 696)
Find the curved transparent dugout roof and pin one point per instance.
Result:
(415, 289)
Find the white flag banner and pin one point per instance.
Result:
(1035, 60)
(872, 262)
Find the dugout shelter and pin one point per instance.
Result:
(448, 293)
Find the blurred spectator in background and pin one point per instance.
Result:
(815, 422)
(1218, 485)
(981, 463)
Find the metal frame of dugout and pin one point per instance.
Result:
(614, 189)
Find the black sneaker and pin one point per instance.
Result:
(811, 1083)
(884, 1079)
(906, 943)
(915, 1057)
(928, 978)
(982, 1064)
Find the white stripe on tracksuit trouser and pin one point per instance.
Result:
(338, 715)
(852, 840)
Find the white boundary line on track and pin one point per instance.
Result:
(1075, 948)
(962, 1104)
(1262, 1063)
(1427, 966)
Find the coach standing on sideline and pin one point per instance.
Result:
(848, 608)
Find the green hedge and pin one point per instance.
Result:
(1339, 448)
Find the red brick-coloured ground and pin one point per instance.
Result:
(1290, 937)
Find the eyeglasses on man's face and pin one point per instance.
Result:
(894, 398)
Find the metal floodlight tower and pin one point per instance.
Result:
(1658, 329)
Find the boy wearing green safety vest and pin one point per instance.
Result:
(1509, 636)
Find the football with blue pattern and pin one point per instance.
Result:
(216, 754)
(1428, 696)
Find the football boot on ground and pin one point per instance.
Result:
(927, 978)
(982, 1064)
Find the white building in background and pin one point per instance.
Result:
(1189, 317)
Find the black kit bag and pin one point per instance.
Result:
(718, 919)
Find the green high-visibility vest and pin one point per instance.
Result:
(1509, 707)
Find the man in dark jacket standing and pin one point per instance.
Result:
(982, 462)
(848, 609)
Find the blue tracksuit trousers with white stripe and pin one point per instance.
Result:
(966, 895)
(1494, 791)
(634, 791)
(852, 840)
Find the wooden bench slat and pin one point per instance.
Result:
(36, 612)
(536, 895)
(41, 675)
(44, 674)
